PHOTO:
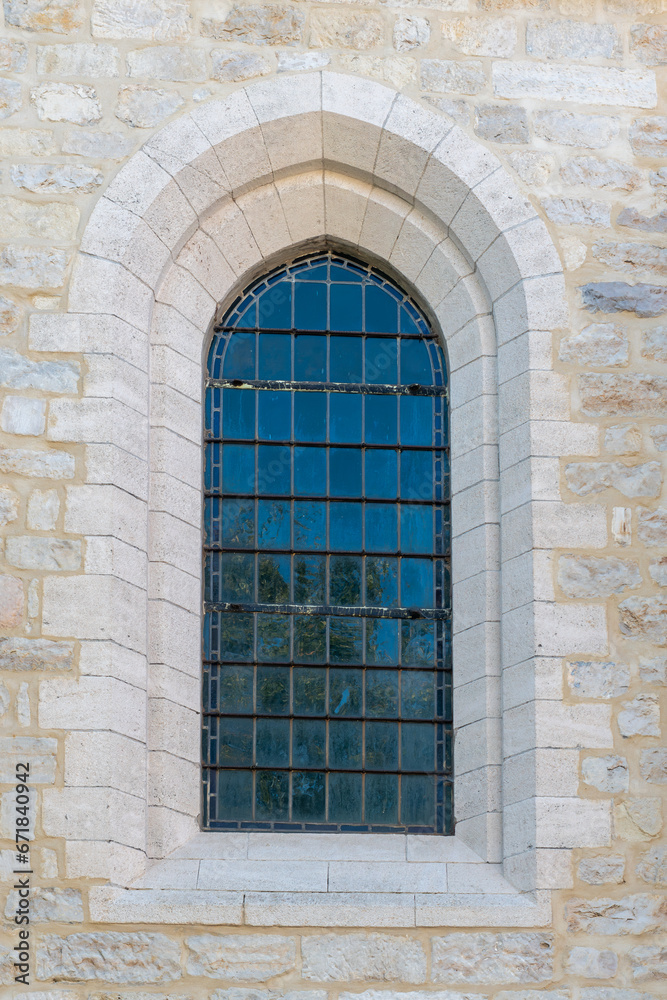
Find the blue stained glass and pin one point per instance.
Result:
(346, 307)
(345, 472)
(238, 468)
(323, 702)
(275, 356)
(240, 356)
(416, 420)
(275, 307)
(381, 474)
(346, 363)
(310, 416)
(310, 306)
(381, 527)
(345, 527)
(273, 469)
(310, 358)
(238, 413)
(310, 471)
(381, 366)
(417, 583)
(345, 417)
(381, 310)
(274, 416)
(381, 419)
(416, 528)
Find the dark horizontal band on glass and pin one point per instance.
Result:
(300, 332)
(359, 445)
(365, 388)
(334, 610)
(394, 501)
(219, 824)
(320, 769)
(432, 720)
(299, 664)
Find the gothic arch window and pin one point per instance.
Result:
(327, 631)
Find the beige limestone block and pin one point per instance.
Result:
(9, 505)
(144, 107)
(592, 172)
(591, 963)
(59, 16)
(644, 618)
(10, 97)
(128, 958)
(602, 679)
(551, 39)
(258, 24)
(533, 167)
(10, 316)
(588, 576)
(43, 508)
(632, 257)
(35, 654)
(652, 866)
(11, 601)
(66, 102)
(13, 56)
(62, 178)
(653, 765)
(168, 62)
(572, 129)
(152, 20)
(234, 67)
(26, 142)
(410, 32)
(447, 76)
(577, 211)
(482, 36)
(623, 439)
(507, 957)
(635, 914)
(41, 220)
(638, 819)
(607, 774)
(602, 869)
(602, 345)
(349, 957)
(654, 343)
(337, 29)
(648, 136)
(588, 478)
(101, 145)
(237, 957)
(22, 415)
(48, 464)
(80, 59)
(648, 43)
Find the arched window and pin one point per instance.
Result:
(327, 634)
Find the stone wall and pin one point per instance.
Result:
(566, 94)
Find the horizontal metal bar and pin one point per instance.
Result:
(363, 445)
(431, 669)
(323, 770)
(299, 332)
(333, 610)
(324, 827)
(394, 501)
(365, 388)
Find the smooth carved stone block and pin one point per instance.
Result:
(348, 957)
(521, 957)
(109, 956)
(640, 913)
(235, 957)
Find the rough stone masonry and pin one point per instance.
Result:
(569, 95)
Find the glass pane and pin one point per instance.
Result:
(309, 743)
(275, 357)
(274, 415)
(345, 580)
(308, 796)
(345, 798)
(381, 416)
(382, 693)
(310, 358)
(381, 528)
(273, 634)
(417, 475)
(381, 746)
(381, 360)
(345, 417)
(381, 474)
(346, 359)
(381, 582)
(273, 469)
(381, 799)
(309, 576)
(310, 306)
(272, 795)
(310, 471)
(345, 472)
(310, 639)
(235, 742)
(310, 416)
(234, 798)
(310, 690)
(236, 579)
(310, 526)
(238, 413)
(345, 527)
(416, 420)
(416, 528)
(345, 640)
(345, 692)
(272, 749)
(417, 583)
(417, 800)
(273, 524)
(273, 690)
(240, 356)
(273, 579)
(238, 524)
(415, 363)
(382, 641)
(236, 636)
(417, 746)
(274, 307)
(236, 690)
(346, 308)
(381, 310)
(418, 645)
(345, 739)
(417, 694)
(238, 468)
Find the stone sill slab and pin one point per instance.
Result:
(322, 880)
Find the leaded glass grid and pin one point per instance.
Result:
(327, 633)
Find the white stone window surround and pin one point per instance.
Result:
(216, 197)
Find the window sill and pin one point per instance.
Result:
(322, 880)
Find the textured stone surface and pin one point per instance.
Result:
(658, 571)
(640, 717)
(592, 172)
(11, 601)
(658, 178)
(13, 56)
(577, 211)
(653, 765)
(623, 395)
(110, 956)
(648, 136)
(591, 963)
(346, 30)
(617, 296)
(570, 129)
(10, 316)
(348, 957)
(66, 102)
(572, 40)
(632, 257)
(482, 36)
(26, 142)
(232, 67)
(21, 415)
(59, 16)
(654, 344)
(603, 679)
(532, 167)
(603, 869)
(600, 344)
(638, 820)
(154, 20)
(10, 97)
(502, 123)
(169, 62)
(644, 618)
(19, 372)
(9, 505)
(607, 774)
(258, 24)
(81, 59)
(652, 526)
(410, 33)
(36, 552)
(35, 654)
(106, 145)
(50, 904)
(639, 913)
(653, 671)
(588, 478)
(648, 43)
(522, 957)
(634, 219)
(53, 220)
(236, 957)
(446, 76)
(62, 178)
(579, 84)
(623, 439)
(49, 464)
(42, 512)
(587, 576)
(143, 107)
(652, 866)
(648, 963)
